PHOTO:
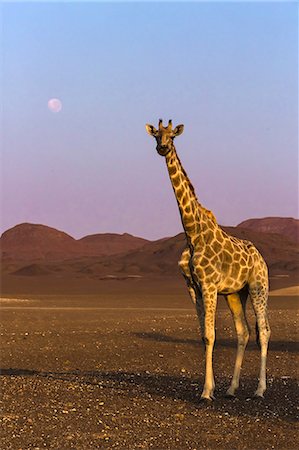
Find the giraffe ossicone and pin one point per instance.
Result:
(215, 263)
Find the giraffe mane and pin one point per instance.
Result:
(205, 211)
(209, 213)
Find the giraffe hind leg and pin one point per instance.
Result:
(257, 334)
(259, 297)
(237, 305)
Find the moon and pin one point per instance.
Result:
(55, 105)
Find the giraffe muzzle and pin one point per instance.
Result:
(162, 150)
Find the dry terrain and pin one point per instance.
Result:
(124, 369)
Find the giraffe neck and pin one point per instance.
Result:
(185, 195)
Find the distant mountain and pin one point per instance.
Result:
(37, 251)
(157, 258)
(32, 270)
(29, 242)
(286, 226)
(111, 243)
(160, 258)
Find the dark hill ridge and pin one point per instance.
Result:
(111, 243)
(106, 256)
(155, 258)
(286, 226)
(34, 242)
(30, 242)
(161, 257)
(32, 270)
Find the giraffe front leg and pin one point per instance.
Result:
(206, 310)
(184, 266)
(237, 307)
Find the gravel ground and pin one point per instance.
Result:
(132, 379)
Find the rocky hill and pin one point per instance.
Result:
(29, 242)
(37, 250)
(111, 243)
(285, 226)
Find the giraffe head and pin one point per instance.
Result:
(164, 136)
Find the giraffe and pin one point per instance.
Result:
(215, 263)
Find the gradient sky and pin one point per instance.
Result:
(228, 71)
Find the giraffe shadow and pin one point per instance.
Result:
(277, 346)
(278, 402)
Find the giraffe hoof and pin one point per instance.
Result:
(207, 400)
(259, 393)
(229, 395)
(258, 396)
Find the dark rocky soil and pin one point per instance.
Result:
(79, 377)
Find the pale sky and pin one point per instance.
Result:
(227, 71)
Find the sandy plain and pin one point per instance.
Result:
(123, 368)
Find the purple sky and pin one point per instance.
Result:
(228, 71)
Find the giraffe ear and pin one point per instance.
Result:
(151, 130)
(178, 130)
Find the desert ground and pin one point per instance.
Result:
(122, 367)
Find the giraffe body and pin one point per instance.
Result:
(216, 263)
